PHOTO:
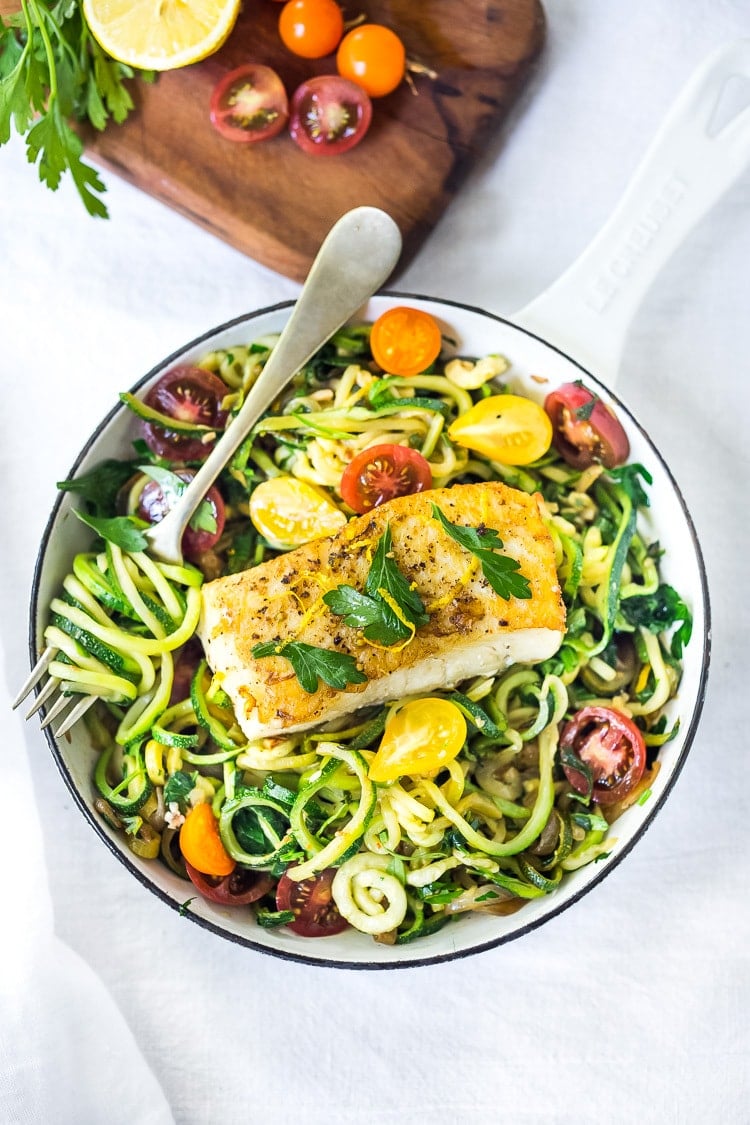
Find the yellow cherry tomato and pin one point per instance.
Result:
(290, 512)
(510, 429)
(200, 843)
(405, 341)
(422, 737)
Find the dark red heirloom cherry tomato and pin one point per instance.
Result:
(237, 889)
(584, 429)
(316, 914)
(153, 506)
(189, 394)
(249, 104)
(611, 745)
(381, 473)
(329, 115)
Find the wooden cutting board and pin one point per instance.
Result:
(274, 202)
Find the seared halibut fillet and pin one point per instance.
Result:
(471, 630)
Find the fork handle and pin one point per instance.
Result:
(356, 257)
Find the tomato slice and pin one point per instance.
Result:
(510, 429)
(200, 843)
(329, 115)
(189, 394)
(374, 57)
(584, 429)
(206, 526)
(382, 472)
(311, 28)
(249, 104)
(405, 341)
(237, 889)
(315, 912)
(612, 747)
(423, 736)
(289, 512)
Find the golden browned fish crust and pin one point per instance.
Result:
(471, 631)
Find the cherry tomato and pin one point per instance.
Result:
(382, 472)
(206, 526)
(249, 104)
(422, 737)
(189, 394)
(373, 56)
(510, 429)
(329, 115)
(584, 429)
(289, 512)
(611, 745)
(405, 341)
(311, 28)
(237, 889)
(200, 843)
(316, 914)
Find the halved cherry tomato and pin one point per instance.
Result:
(373, 56)
(200, 843)
(405, 341)
(290, 512)
(316, 914)
(382, 472)
(237, 889)
(206, 526)
(584, 429)
(612, 747)
(249, 104)
(329, 115)
(191, 395)
(422, 737)
(311, 28)
(510, 429)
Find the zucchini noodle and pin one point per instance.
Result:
(497, 826)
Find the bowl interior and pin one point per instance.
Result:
(473, 332)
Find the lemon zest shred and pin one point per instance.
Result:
(465, 578)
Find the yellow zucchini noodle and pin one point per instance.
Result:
(498, 825)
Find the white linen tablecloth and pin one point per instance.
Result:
(632, 1007)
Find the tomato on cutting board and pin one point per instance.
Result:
(249, 104)
(329, 115)
(311, 28)
(373, 56)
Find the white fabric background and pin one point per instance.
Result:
(631, 1007)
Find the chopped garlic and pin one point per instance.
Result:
(173, 818)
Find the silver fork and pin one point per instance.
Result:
(355, 259)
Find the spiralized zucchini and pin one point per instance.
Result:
(496, 827)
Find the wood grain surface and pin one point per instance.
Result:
(274, 202)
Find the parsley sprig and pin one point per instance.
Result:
(389, 610)
(311, 664)
(53, 71)
(501, 571)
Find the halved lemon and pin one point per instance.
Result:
(289, 512)
(160, 34)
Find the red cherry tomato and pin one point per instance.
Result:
(329, 115)
(249, 104)
(405, 341)
(311, 28)
(611, 745)
(381, 473)
(237, 889)
(584, 429)
(373, 56)
(315, 912)
(189, 394)
(205, 528)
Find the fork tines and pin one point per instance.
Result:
(55, 708)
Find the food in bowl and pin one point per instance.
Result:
(476, 792)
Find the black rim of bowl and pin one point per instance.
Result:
(556, 908)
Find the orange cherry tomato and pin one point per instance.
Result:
(311, 28)
(373, 56)
(405, 341)
(200, 843)
(422, 737)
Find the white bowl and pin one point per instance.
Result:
(476, 333)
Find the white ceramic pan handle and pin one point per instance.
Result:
(586, 313)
